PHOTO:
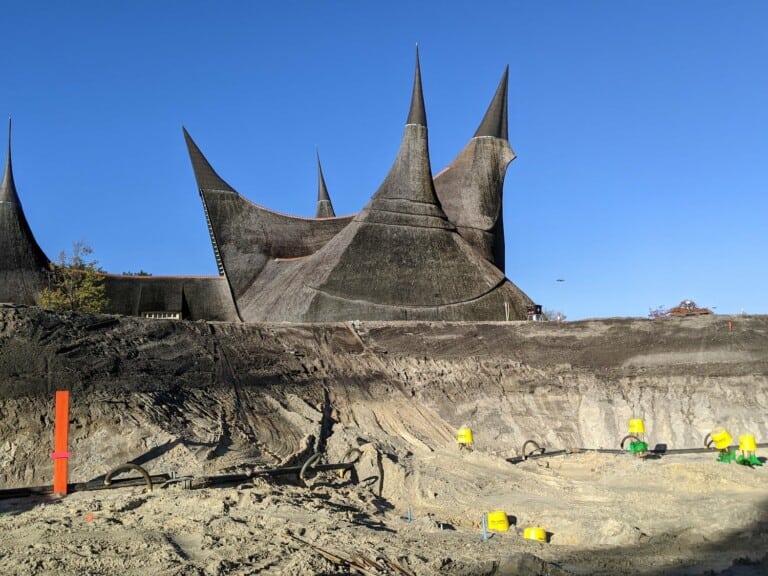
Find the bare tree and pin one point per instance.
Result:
(553, 315)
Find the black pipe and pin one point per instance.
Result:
(657, 451)
(27, 491)
(223, 479)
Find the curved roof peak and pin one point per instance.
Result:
(324, 206)
(495, 120)
(417, 114)
(206, 176)
(8, 186)
(22, 262)
(407, 195)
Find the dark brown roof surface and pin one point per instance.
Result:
(424, 247)
(400, 258)
(324, 206)
(471, 187)
(245, 235)
(22, 263)
(194, 297)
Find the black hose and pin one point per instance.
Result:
(28, 491)
(635, 438)
(356, 453)
(308, 465)
(147, 479)
(536, 448)
(680, 451)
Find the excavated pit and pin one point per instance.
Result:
(204, 398)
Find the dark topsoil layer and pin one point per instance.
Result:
(42, 351)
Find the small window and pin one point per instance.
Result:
(162, 315)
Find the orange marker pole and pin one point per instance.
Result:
(60, 454)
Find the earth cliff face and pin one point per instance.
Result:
(201, 398)
(267, 388)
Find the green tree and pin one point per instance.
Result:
(75, 283)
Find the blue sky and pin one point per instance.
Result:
(641, 129)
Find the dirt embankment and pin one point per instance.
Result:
(201, 398)
(265, 389)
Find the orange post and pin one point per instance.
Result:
(60, 454)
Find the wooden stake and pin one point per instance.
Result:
(60, 454)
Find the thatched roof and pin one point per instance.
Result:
(193, 297)
(400, 258)
(470, 189)
(22, 263)
(424, 247)
(246, 236)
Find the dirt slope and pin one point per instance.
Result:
(202, 398)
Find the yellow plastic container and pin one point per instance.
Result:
(498, 521)
(464, 436)
(636, 426)
(721, 438)
(535, 533)
(747, 443)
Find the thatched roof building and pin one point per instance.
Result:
(423, 248)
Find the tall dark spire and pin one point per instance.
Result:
(470, 189)
(495, 121)
(417, 113)
(8, 186)
(324, 206)
(407, 195)
(206, 176)
(22, 262)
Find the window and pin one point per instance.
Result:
(163, 315)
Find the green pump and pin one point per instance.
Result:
(638, 446)
(747, 447)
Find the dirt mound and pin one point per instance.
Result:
(195, 398)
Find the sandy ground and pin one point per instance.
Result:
(604, 513)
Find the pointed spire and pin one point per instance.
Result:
(417, 113)
(22, 262)
(407, 196)
(206, 176)
(495, 121)
(8, 186)
(324, 206)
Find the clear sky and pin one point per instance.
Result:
(641, 129)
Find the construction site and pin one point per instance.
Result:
(344, 447)
(370, 394)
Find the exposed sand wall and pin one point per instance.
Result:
(228, 393)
